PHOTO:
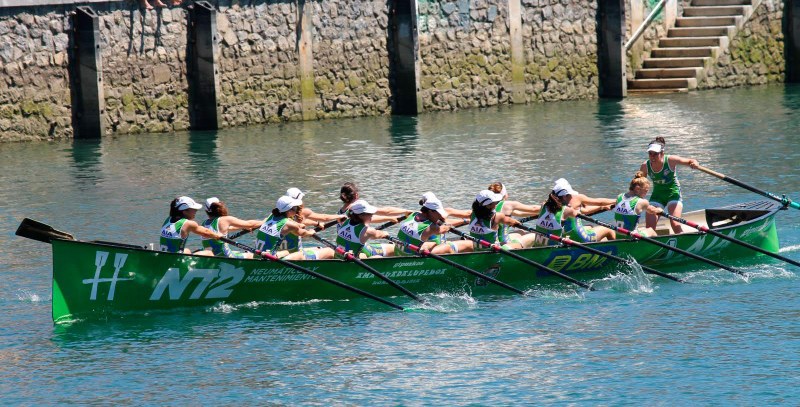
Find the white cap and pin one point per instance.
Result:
(295, 193)
(486, 197)
(185, 203)
(655, 147)
(503, 190)
(286, 203)
(210, 201)
(436, 205)
(428, 196)
(562, 187)
(361, 206)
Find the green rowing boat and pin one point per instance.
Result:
(98, 279)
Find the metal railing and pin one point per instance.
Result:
(646, 23)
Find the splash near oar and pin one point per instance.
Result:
(723, 236)
(425, 253)
(783, 200)
(496, 248)
(569, 242)
(638, 236)
(272, 257)
(351, 257)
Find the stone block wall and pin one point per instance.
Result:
(755, 56)
(34, 79)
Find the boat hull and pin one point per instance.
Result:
(92, 279)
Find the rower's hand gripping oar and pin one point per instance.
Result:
(272, 257)
(351, 257)
(496, 248)
(783, 200)
(705, 229)
(638, 236)
(316, 229)
(569, 242)
(426, 253)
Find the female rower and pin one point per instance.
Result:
(424, 228)
(509, 208)
(219, 221)
(349, 195)
(180, 223)
(354, 233)
(311, 218)
(282, 231)
(484, 224)
(631, 204)
(559, 215)
(662, 169)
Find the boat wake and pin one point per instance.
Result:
(792, 248)
(445, 302)
(629, 279)
(225, 308)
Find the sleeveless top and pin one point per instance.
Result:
(349, 236)
(411, 231)
(502, 229)
(625, 212)
(482, 229)
(218, 247)
(549, 223)
(171, 240)
(665, 182)
(269, 236)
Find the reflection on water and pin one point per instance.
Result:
(203, 160)
(403, 132)
(87, 156)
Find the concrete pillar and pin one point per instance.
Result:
(792, 46)
(611, 48)
(637, 17)
(86, 79)
(404, 57)
(308, 96)
(517, 52)
(201, 67)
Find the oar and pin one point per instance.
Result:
(728, 238)
(351, 257)
(426, 253)
(496, 248)
(387, 224)
(41, 232)
(784, 200)
(270, 256)
(316, 229)
(638, 236)
(570, 242)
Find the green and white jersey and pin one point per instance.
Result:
(269, 238)
(218, 247)
(411, 231)
(502, 229)
(171, 240)
(625, 214)
(550, 223)
(666, 187)
(482, 229)
(348, 236)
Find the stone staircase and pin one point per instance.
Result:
(699, 37)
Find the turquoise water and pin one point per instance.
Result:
(637, 340)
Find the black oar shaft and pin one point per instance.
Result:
(542, 267)
(639, 236)
(783, 200)
(352, 257)
(570, 242)
(388, 224)
(426, 253)
(723, 236)
(312, 273)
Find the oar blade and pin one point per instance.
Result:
(41, 232)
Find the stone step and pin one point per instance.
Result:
(658, 73)
(726, 31)
(669, 83)
(707, 21)
(674, 62)
(680, 52)
(707, 11)
(693, 42)
(722, 3)
(647, 92)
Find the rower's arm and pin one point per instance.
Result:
(520, 209)
(391, 211)
(675, 160)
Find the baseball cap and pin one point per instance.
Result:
(286, 203)
(486, 197)
(295, 193)
(562, 187)
(211, 201)
(361, 206)
(436, 205)
(183, 203)
(427, 196)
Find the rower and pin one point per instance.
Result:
(424, 228)
(180, 223)
(349, 194)
(219, 221)
(631, 204)
(512, 208)
(311, 218)
(355, 232)
(663, 170)
(559, 212)
(282, 233)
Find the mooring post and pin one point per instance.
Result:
(201, 67)
(405, 57)
(86, 78)
(517, 52)
(308, 95)
(792, 46)
(611, 59)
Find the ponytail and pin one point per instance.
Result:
(553, 203)
(639, 180)
(174, 213)
(348, 193)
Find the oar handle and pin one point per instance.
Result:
(785, 201)
(272, 257)
(638, 236)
